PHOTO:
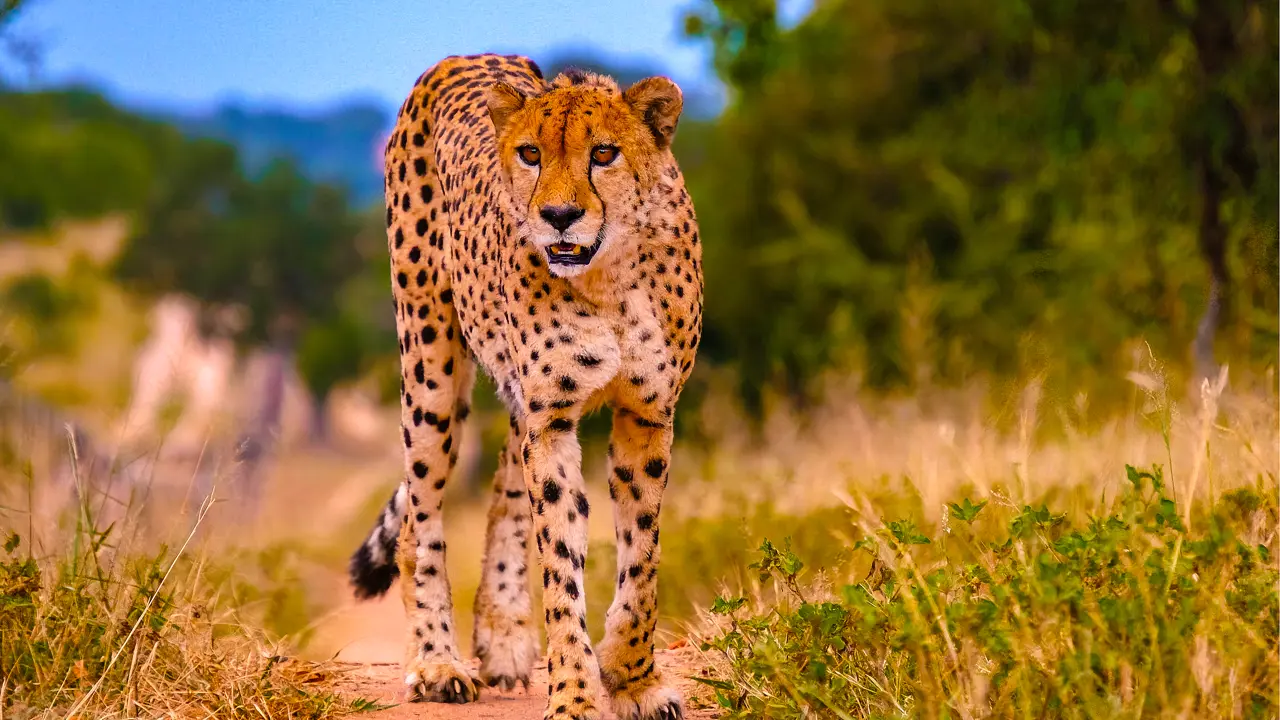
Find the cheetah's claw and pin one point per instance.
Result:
(447, 682)
(508, 682)
(669, 711)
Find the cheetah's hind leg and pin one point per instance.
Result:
(505, 640)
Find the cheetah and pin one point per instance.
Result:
(542, 231)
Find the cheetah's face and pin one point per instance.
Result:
(579, 161)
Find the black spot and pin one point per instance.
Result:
(624, 474)
(561, 424)
(583, 506)
(551, 491)
(655, 467)
(419, 373)
(644, 521)
(568, 384)
(587, 360)
(420, 469)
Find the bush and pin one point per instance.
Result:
(1145, 611)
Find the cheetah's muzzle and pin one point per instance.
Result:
(564, 253)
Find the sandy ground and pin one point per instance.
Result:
(368, 637)
(364, 639)
(380, 682)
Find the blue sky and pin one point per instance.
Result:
(187, 54)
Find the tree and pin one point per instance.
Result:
(277, 248)
(978, 187)
(57, 147)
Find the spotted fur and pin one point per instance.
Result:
(575, 282)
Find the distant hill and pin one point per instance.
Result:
(342, 145)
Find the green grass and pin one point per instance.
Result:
(1141, 610)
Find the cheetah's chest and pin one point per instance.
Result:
(535, 335)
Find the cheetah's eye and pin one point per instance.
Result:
(529, 154)
(604, 154)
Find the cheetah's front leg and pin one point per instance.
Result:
(639, 459)
(553, 476)
(437, 386)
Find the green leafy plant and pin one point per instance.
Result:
(1126, 614)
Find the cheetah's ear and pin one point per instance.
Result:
(658, 101)
(504, 101)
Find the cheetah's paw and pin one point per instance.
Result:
(440, 680)
(507, 652)
(653, 701)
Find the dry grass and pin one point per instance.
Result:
(103, 623)
(885, 603)
(236, 602)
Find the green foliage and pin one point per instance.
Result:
(359, 338)
(38, 313)
(924, 192)
(919, 193)
(72, 154)
(1126, 614)
(329, 354)
(712, 551)
(41, 316)
(277, 247)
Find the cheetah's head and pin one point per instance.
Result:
(580, 161)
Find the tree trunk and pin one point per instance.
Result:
(259, 438)
(318, 433)
(1213, 247)
(1214, 39)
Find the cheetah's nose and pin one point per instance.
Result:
(561, 217)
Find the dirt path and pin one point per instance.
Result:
(380, 682)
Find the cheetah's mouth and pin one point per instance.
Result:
(565, 253)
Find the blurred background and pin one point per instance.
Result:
(920, 219)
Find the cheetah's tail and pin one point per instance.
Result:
(373, 566)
